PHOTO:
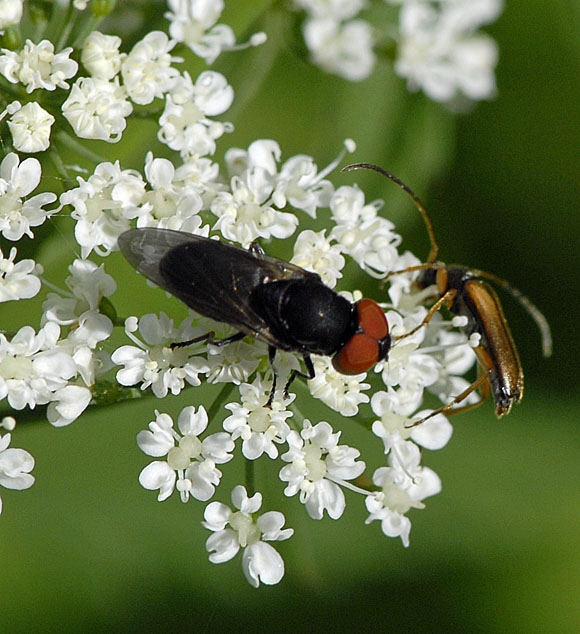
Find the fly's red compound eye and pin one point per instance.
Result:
(372, 320)
(359, 354)
(368, 345)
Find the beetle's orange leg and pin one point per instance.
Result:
(447, 299)
(481, 382)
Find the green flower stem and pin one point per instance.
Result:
(220, 399)
(67, 26)
(250, 479)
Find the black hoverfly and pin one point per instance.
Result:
(278, 302)
(464, 291)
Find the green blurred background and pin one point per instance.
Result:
(88, 550)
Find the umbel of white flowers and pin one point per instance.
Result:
(252, 194)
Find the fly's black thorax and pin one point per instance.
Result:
(306, 314)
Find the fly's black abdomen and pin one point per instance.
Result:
(308, 315)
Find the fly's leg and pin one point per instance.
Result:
(309, 374)
(209, 337)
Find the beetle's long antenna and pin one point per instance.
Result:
(370, 166)
(531, 308)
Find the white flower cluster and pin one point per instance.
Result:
(338, 42)
(254, 195)
(442, 52)
(439, 49)
(58, 364)
(317, 468)
(98, 104)
(193, 22)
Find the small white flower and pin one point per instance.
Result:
(190, 461)
(185, 125)
(153, 362)
(202, 174)
(10, 65)
(364, 235)
(68, 404)
(238, 529)
(263, 155)
(259, 427)
(301, 184)
(453, 356)
(440, 53)
(401, 286)
(342, 393)
(38, 66)
(429, 359)
(317, 461)
(33, 367)
(10, 13)
(104, 205)
(147, 71)
(80, 311)
(433, 434)
(243, 217)
(36, 368)
(82, 342)
(88, 284)
(181, 128)
(15, 466)
(193, 22)
(170, 203)
(314, 252)
(18, 280)
(407, 366)
(212, 93)
(342, 48)
(101, 56)
(403, 486)
(97, 109)
(246, 212)
(30, 128)
(18, 180)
